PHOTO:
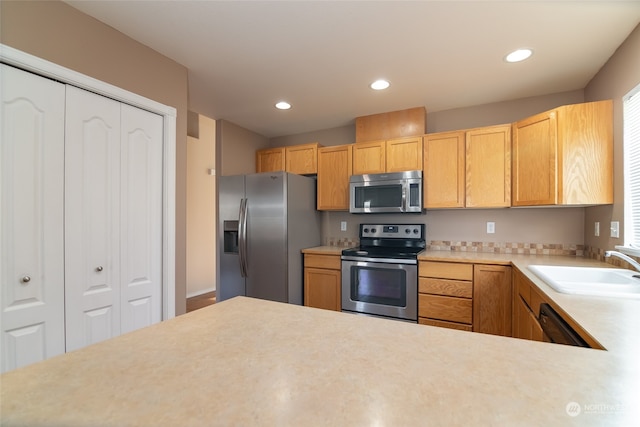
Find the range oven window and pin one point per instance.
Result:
(379, 286)
(379, 196)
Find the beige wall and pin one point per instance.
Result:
(614, 80)
(540, 225)
(236, 148)
(54, 31)
(335, 136)
(201, 209)
(498, 112)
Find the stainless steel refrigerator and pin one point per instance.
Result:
(264, 221)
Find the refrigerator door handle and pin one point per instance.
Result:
(242, 236)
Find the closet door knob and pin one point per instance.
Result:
(26, 279)
(99, 268)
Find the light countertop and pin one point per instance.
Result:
(324, 250)
(253, 362)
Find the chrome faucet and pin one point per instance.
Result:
(622, 256)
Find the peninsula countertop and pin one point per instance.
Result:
(253, 362)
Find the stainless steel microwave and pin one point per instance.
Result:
(397, 192)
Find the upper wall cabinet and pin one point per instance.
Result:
(469, 168)
(302, 159)
(369, 157)
(404, 154)
(444, 181)
(334, 170)
(488, 167)
(396, 155)
(299, 159)
(270, 160)
(564, 156)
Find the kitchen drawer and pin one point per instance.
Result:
(446, 270)
(444, 324)
(331, 262)
(454, 288)
(445, 308)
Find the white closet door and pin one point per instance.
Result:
(141, 220)
(31, 218)
(92, 218)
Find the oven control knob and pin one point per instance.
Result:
(366, 230)
(415, 231)
(373, 230)
(407, 231)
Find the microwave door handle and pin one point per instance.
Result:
(404, 198)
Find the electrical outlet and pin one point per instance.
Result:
(596, 229)
(491, 227)
(343, 225)
(615, 229)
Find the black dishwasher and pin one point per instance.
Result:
(556, 329)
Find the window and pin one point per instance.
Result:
(631, 154)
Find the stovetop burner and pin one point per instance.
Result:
(396, 241)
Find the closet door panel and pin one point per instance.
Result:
(31, 218)
(141, 232)
(92, 218)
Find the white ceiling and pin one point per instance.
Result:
(244, 56)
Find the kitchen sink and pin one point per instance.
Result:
(608, 282)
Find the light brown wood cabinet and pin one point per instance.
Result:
(334, 170)
(564, 156)
(391, 125)
(470, 297)
(488, 167)
(369, 157)
(526, 306)
(470, 168)
(444, 172)
(445, 293)
(322, 281)
(396, 155)
(404, 154)
(492, 299)
(270, 160)
(300, 159)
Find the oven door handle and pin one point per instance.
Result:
(379, 260)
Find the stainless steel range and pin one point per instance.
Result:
(380, 277)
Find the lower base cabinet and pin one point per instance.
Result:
(322, 281)
(469, 297)
(492, 299)
(445, 294)
(526, 306)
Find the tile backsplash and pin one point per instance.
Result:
(504, 248)
(507, 248)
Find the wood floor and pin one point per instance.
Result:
(201, 301)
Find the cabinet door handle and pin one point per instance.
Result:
(26, 279)
(99, 268)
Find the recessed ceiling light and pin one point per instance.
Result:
(379, 85)
(283, 105)
(518, 55)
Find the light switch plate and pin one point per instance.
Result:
(615, 229)
(343, 225)
(491, 227)
(596, 229)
